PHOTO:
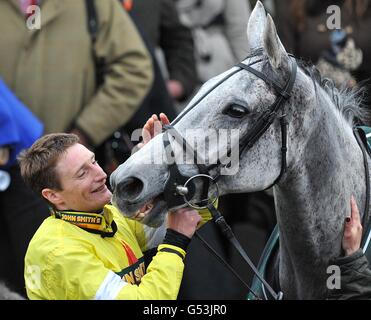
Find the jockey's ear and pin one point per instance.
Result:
(273, 46)
(255, 27)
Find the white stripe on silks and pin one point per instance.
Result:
(368, 135)
(110, 287)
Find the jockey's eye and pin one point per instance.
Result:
(235, 111)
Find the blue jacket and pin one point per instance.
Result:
(19, 128)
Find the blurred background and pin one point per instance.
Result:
(101, 68)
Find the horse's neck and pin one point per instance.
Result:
(311, 205)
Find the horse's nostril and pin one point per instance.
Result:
(130, 188)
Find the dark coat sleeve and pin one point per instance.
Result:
(286, 28)
(355, 278)
(177, 43)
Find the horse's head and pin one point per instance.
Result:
(231, 110)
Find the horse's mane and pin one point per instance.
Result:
(349, 101)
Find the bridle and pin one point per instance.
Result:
(179, 189)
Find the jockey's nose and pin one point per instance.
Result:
(130, 189)
(99, 173)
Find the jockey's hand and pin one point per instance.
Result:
(153, 127)
(184, 221)
(175, 89)
(352, 230)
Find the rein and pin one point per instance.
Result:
(366, 222)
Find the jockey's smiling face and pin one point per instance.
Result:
(83, 181)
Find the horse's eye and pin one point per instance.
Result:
(235, 111)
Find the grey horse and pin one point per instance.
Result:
(7, 294)
(324, 162)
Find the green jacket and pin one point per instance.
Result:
(52, 69)
(355, 278)
(160, 22)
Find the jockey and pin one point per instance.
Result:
(86, 249)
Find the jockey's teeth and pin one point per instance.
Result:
(146, 208)
(142, 212)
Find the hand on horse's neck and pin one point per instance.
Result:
(313, 199)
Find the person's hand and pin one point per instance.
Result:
(175, 89)
(184, 220)
(352, 230)
(153, 127)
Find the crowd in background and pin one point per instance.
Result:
(99, 69)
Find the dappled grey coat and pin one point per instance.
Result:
(6, 294)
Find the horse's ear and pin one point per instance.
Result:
(255, 27)
(273, 46)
